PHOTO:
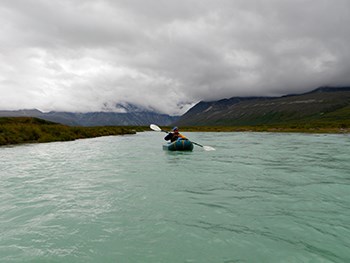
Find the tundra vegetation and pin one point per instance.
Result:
(17, 130)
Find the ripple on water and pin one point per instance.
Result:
(260, 197)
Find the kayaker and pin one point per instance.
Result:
(174, 135)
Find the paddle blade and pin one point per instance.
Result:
(208, 148)
(155, 127)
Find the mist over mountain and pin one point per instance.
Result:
(133, 118)
(324, 104)
(89, 55)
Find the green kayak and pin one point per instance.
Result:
(179, 145)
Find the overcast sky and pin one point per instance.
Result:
(89, 55)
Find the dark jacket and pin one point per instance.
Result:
(173, 136)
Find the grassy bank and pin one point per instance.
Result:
(34, 130)
(19, 130)
(301, 128)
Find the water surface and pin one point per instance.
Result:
(260, 197)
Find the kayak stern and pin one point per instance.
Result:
(179, 145)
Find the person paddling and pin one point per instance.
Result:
(173, 136)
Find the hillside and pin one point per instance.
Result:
(15, 130)
(320, 107)
(134, 118)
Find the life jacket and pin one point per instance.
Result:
(177, 136)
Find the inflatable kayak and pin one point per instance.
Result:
(179, 145)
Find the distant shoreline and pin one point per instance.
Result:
(23, 130)
(276, 129)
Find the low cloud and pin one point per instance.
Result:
(86, 55)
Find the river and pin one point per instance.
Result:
(259, 197)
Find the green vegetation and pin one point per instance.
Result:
(320, 125)
(322, 110)
(266, 128)
(262, 129)
(18, 130)
(332, 121)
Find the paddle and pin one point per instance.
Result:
(206, 148)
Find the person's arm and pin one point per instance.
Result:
(168, 137)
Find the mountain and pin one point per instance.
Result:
(325, 104)
(136, 118)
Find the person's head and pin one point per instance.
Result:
(176, 129)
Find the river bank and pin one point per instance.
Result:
(278, 129)
(33, 130)
(19, 130)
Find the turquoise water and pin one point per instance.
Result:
(260, 197)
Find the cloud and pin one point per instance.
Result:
(89, 55)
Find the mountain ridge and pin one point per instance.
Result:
(327, 104)
(324, 104)
(136, 118)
